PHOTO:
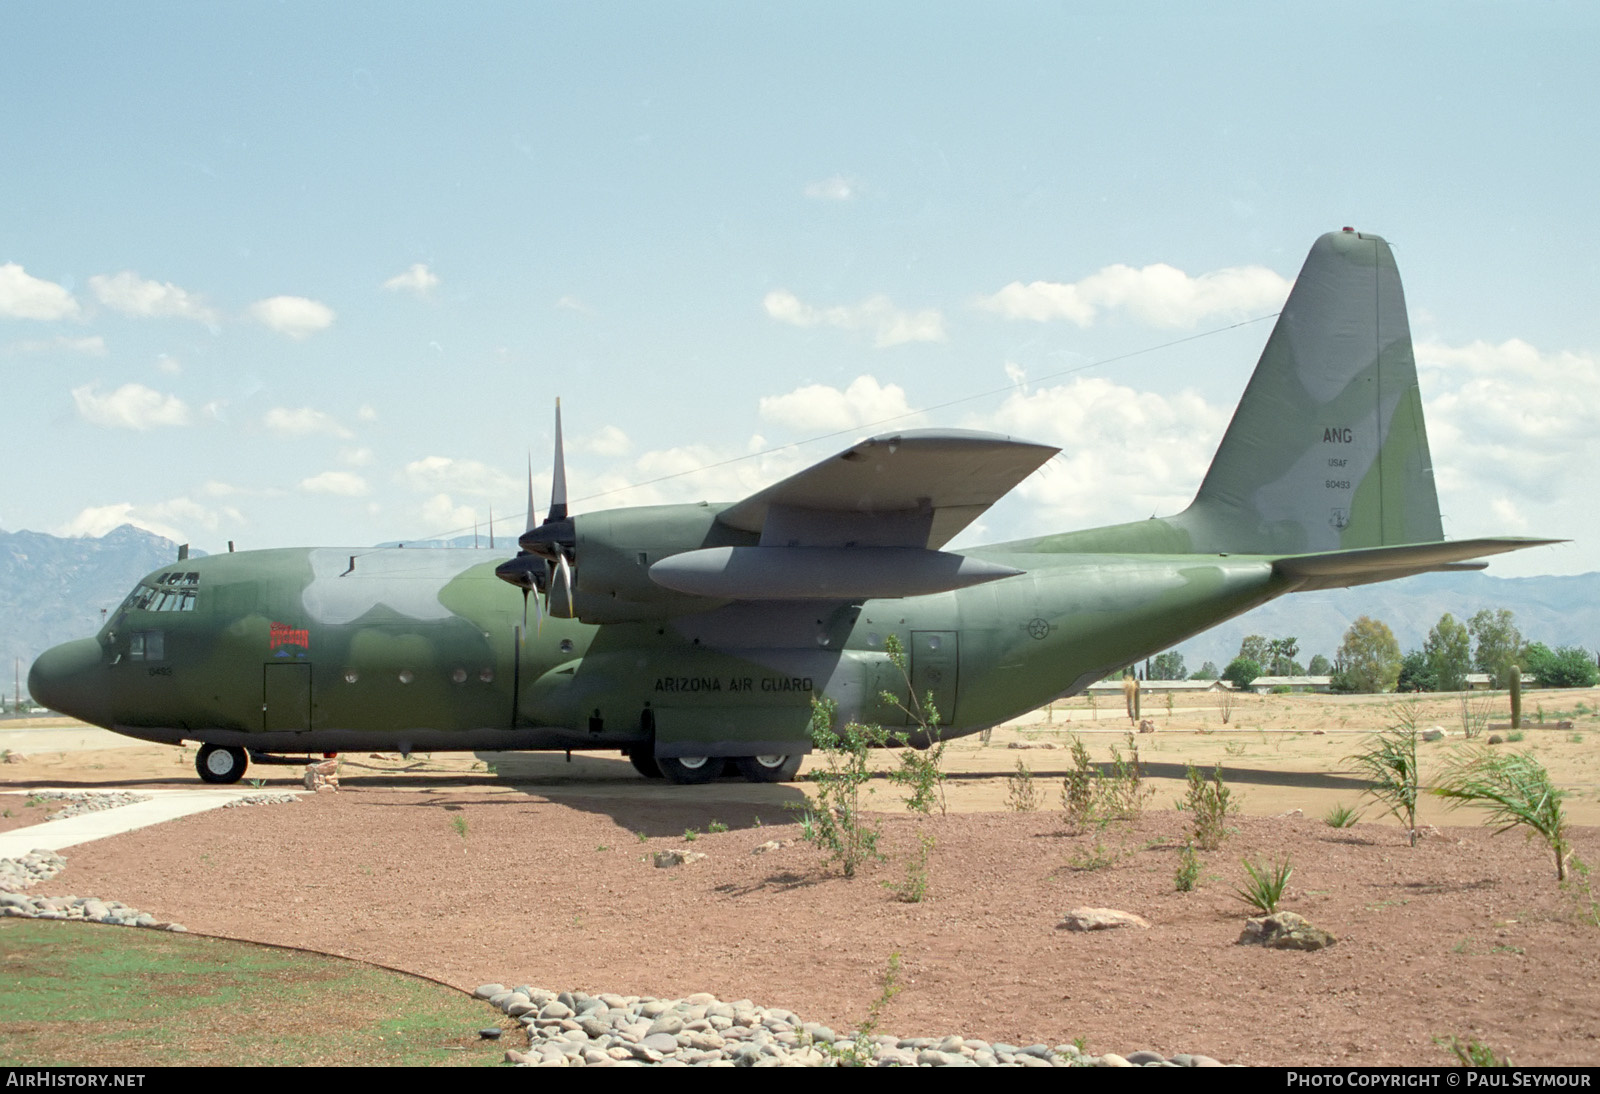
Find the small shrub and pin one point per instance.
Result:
(1098, 858)
(921, 770)
(835, 821)
(1125, 792)
(1264, 886)
(1390, 762)
(1078, 788)
(716, 826)
(1471, 1053)
(1584, 905)
(914, 889)
(1516, 736)
(690, 835)
(1340, 816)
(1188, 875)
(460, 825)
(860, 1051)
(1021, 795)
(1516, 790)
(1208, 804)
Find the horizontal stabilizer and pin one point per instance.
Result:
(825, 573)
(1362, 566)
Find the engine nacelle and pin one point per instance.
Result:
(615, 549)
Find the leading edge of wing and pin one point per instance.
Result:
(1364, 565)
(912, 489)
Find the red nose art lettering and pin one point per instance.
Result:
(284, 635)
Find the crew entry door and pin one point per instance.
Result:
(933, 670)
(286, 697)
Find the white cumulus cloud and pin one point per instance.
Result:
(1511, 417)
(176, 519)
(26, 297)
(294, 316)
(818, 408)
(1126, 454)
(606, 441)
(441, 515)
(302, 421)
(833, 188)
(890, 326)
(1158, 295)
(442, 474)
(130, 294)
(418, 280)
(131, 406)
(92, 346)
(343, 483)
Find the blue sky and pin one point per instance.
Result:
(314, 274)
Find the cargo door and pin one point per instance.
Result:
(286, 697)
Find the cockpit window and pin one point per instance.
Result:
(147, 646)
(174, 591)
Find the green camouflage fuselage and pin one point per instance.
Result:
(422, 649)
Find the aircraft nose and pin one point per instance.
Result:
(70, 678)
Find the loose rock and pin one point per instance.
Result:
(1284, 931)
(1100, 919)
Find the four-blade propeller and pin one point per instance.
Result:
(548, 548)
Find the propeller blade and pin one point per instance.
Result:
(563, 569)
(533, 514)
(558, 477)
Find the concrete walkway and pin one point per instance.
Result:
(164, 805)
(74, 737)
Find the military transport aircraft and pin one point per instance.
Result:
(693, 638)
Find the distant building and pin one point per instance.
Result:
(1264, 685)
(1150, 687)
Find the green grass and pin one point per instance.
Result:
(82, 995)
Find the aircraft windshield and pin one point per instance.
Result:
(175, 591)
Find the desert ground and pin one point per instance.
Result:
(528, 868)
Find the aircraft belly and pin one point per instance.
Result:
(483, 739)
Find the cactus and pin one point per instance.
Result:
(1516, 697)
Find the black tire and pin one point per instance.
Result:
(222, 765)
(690, 770)
(769, 769)
(644, 763)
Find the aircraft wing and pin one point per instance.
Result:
(913, 489)
(868, 522)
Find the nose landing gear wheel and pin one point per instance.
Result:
(688, 770)
(768, 769)
(217, 764)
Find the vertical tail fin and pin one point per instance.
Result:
(1327, 450)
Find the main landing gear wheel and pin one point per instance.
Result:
(217, 764)
(644, 763)
(768, 769)
(688, 770)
